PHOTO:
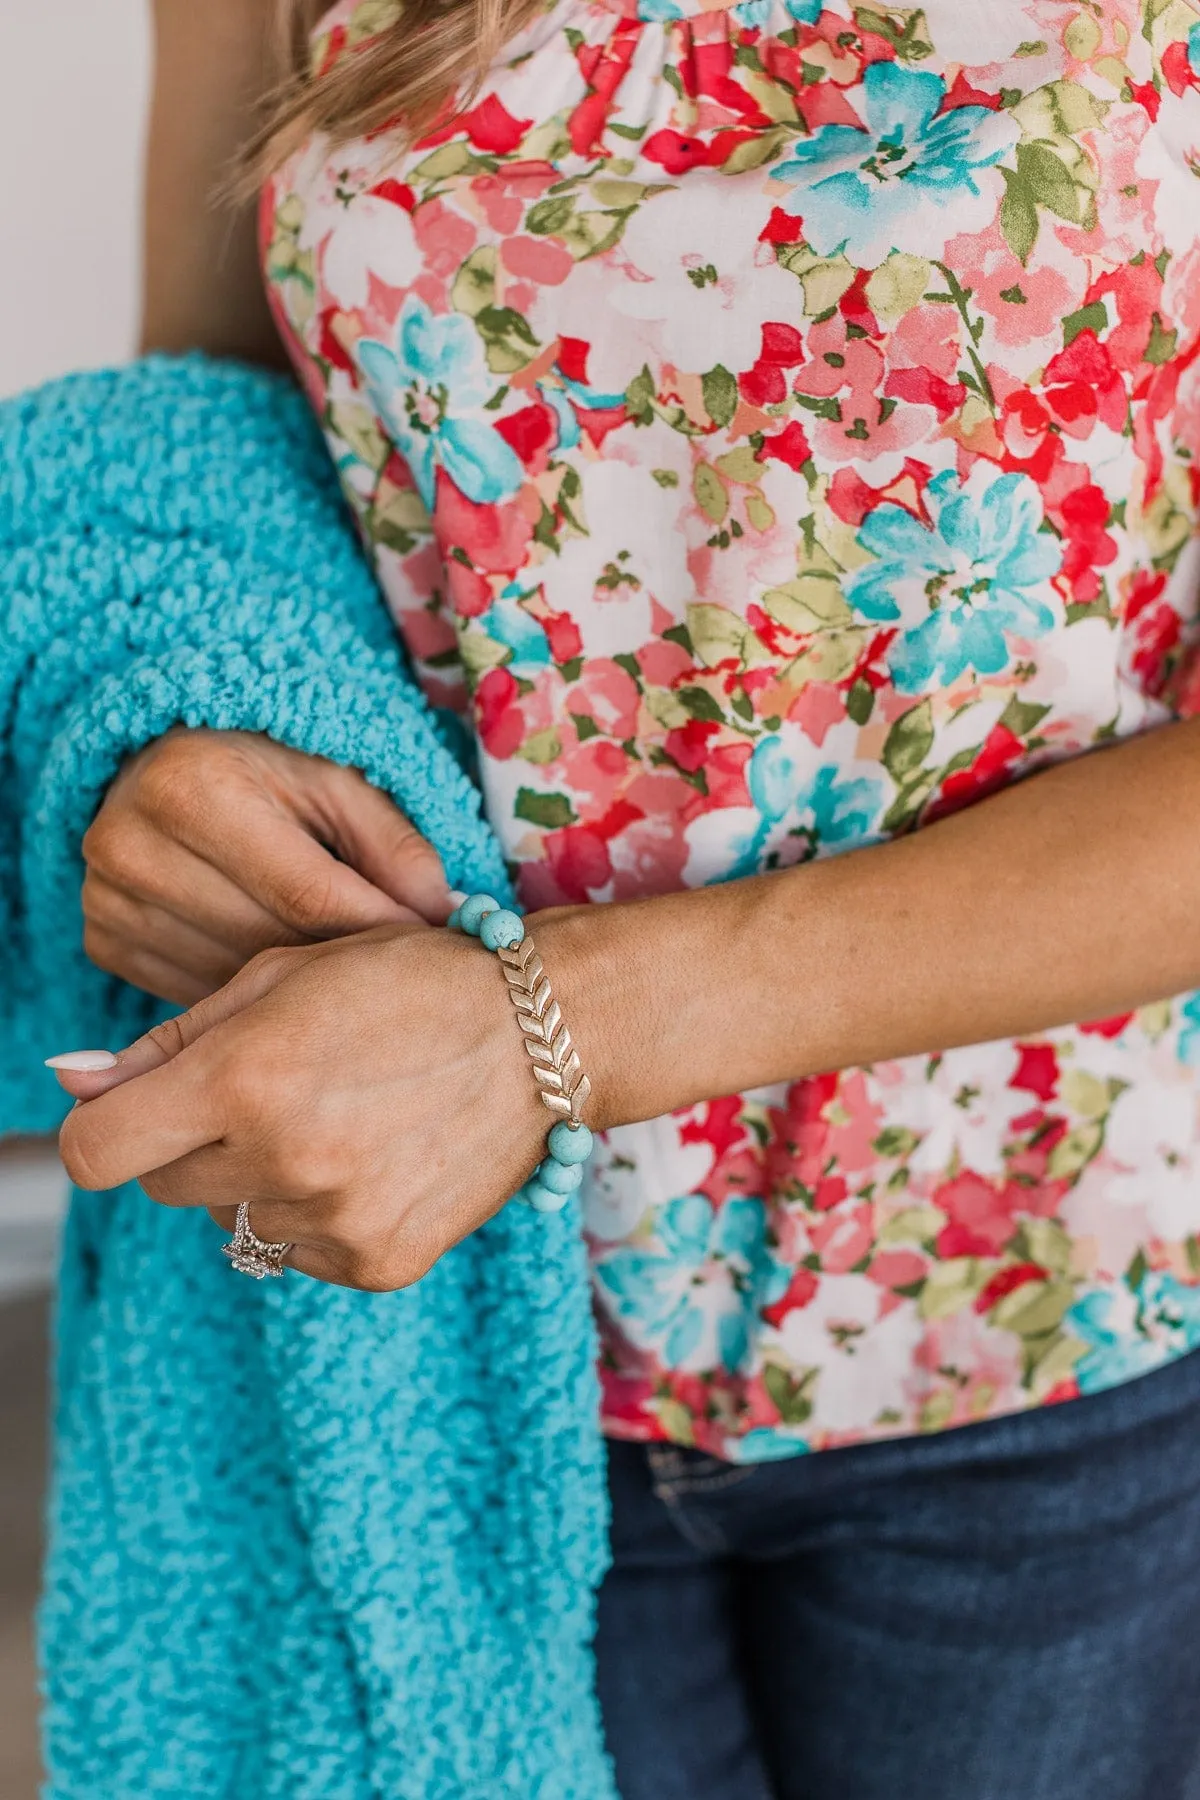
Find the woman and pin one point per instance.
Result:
(774, 427)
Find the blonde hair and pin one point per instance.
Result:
(403, 65)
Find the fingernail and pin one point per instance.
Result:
(456, 897)
(83, 1060)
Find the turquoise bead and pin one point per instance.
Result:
(543, 1199)
(474, 911)
(569, 1146)
(560, 1178)
(454, 922)
(501, 930)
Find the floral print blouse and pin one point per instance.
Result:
(776, 425)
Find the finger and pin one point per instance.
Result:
(276, 861)
(168, 1039)
(371, 833)
(160, 882)
(203, 967)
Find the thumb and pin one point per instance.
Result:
(86, 1074)
(371, 833)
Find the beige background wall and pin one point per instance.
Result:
(72, 94)
(73, 77)
(72, 99)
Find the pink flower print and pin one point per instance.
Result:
(980, 1213)
(1081, 387)
(1023, 306)
(848, 372)
(608, 695)
(841, 1239)
(595, 773)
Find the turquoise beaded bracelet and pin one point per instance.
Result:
(561, 1081)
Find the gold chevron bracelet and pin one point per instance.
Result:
(562, 1084)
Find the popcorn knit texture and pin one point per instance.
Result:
(304, 1544)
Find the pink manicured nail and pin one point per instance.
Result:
(83, 1061)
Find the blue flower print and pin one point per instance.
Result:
(508, 623)
(835, 809)
(1194, 49)
(751, 15)
(650, 11)
(888, 185)
(1166, 1323)
(709, 1267)
(976, 568)
(425, 389)
(1189, 1036)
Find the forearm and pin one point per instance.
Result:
(1074, 894)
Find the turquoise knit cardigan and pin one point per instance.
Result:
(305, 1544)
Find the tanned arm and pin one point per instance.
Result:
(213, 65)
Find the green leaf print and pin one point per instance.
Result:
(1161, 347)
(720, 392)
(906, 31)
(1048, 180)
(908, 742)
(1021, 716)
(1018, 215)
(639, 397)
(552, 811)
(791, 1394)
(712, 496)
(508, 341)
(1087, 318)
(474, 287)
(701, 705)
(550, 216)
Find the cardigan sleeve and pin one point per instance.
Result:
(174, 550)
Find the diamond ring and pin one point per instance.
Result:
(250, 1254)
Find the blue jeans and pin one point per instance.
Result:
(1010, 1611)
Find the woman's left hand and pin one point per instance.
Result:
(370, 1097)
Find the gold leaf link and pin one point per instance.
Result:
(563, 1086)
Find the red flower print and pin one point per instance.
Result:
(782, 228)
(577, 858)
(1154, 629)
(717, 1123)
(563, 635)
(1083, 514)
(1007, 1281)
(789, 446)
(799, 1292)
(999, 755)
(531, 433)
(572, 358)
(765, 383)
(398, 192)
(1037, 1070)
(490, 126)
(603, 67)
(1081, 386)
(677, 153)
(687, 745)
(500, 720)
(1107, 1028)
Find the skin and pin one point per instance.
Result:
(371, 1092)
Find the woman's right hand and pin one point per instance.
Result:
(213, 845)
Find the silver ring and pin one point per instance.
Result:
(250, 1254)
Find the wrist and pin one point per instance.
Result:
(654, 994)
